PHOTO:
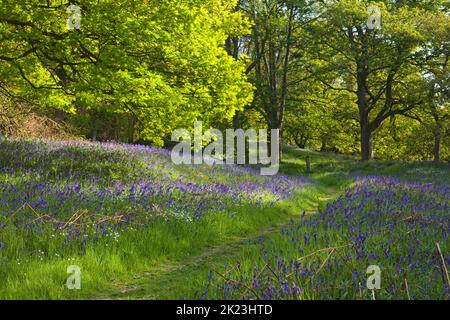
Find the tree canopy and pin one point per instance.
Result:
(161, 62)
(367, 77)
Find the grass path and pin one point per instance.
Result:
(179, 279)
(164, 259)
(176, 279)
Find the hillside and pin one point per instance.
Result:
(139, 226)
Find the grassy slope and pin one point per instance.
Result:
(172, 260)
(158, 247)
(181, 279)
(105, 263)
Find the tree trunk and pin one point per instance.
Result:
(300, 140)
(94, 126)
(366, 142)
(437, 136)
(437, 141)
(281, 143)
(364, 111)
(437, 147)
(284, 82)
(324, 141)
(132, 128)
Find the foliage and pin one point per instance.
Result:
(380, 221)
(67, 200)
(161, 61)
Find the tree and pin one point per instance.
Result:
(374, 65)
(272, 48)
(320, 118)
(161, 62)
(433, 59)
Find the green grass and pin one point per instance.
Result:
(188, 278)
(172, 259)
(34, 255)
(105, 263)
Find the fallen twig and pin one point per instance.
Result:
(236, 282)
(322, 250)
(407, 289)
(443, 265)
